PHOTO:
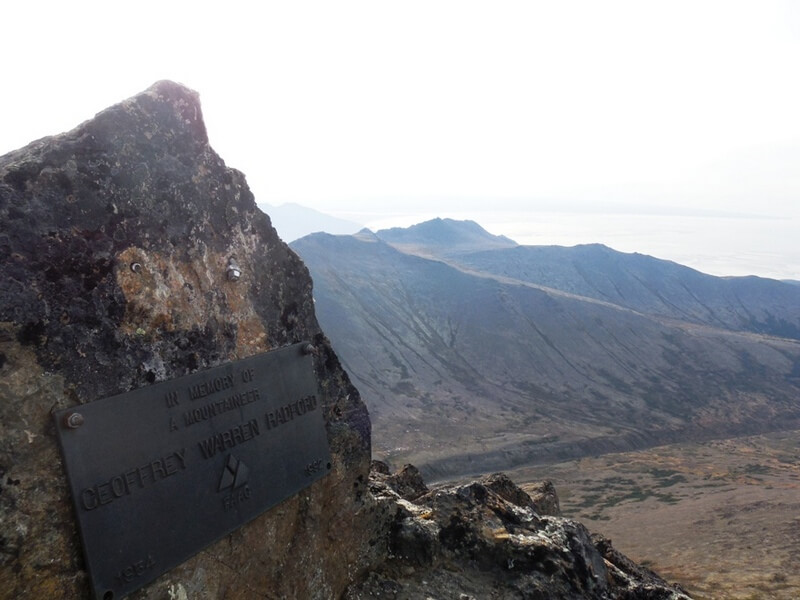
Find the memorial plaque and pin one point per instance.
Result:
(159, 473)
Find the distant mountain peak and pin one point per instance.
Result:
(366, 235)
(293, 221)
(444, 236)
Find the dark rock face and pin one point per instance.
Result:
(485, 539)
(115, 239)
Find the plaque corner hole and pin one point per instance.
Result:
(329, 466)
(109, 595)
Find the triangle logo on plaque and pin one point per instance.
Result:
(234, 474)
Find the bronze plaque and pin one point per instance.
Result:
(159, 473)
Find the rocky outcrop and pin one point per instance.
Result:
(407, 482)
(115, 244)
(485, 539)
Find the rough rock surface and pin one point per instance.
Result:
(485, 539)
(139, 184)
(407, 482)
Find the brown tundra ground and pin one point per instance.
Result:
(722, 518)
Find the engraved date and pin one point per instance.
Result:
(136, 570)
(313, 467)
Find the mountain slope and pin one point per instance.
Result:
(635, 281)
(466, 371)
(650, 285)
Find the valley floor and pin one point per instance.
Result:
(722, 518)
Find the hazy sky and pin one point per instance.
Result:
(521, 115)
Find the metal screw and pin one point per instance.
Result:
(74, 420)
(234, 272)
(136, 267)
(309, 349)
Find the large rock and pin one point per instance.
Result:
(140, 185)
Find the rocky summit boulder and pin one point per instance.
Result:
(130, 254)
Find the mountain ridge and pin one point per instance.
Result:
(465, 370)
(653, 286)
(636, 281)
